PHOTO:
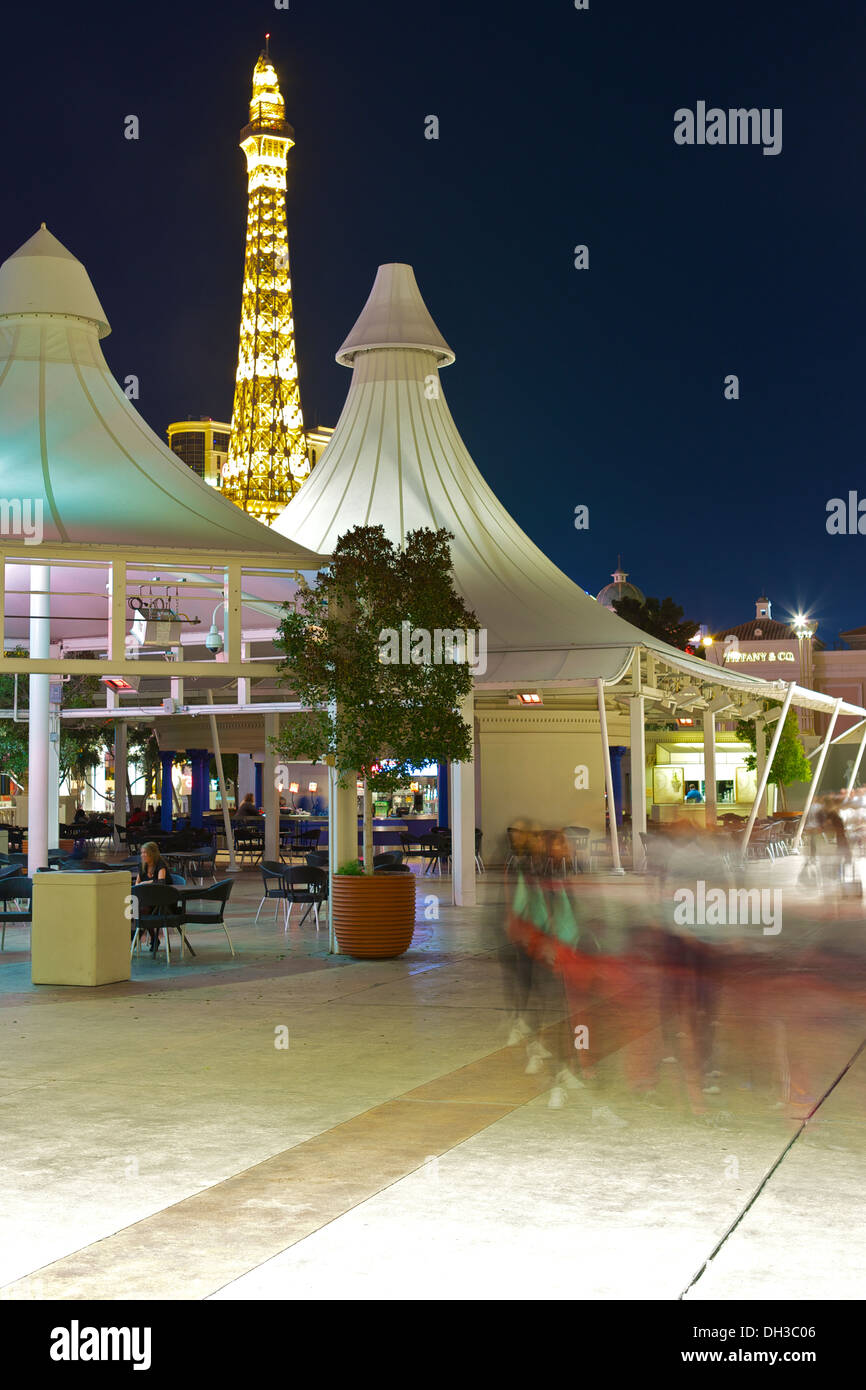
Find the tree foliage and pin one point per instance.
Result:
(660, 618)
(393, 716)
(790, 763)
(82, 746)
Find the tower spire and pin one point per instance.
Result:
(267, 459)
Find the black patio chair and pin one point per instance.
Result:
(275, 886)
(249, 839)
(215, 899)
(306, 887)
(436, 847)
(388, 858)
(318, 859)
(17, 890)
(306, 841)
(159, 909)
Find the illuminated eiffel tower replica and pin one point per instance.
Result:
(268, 456)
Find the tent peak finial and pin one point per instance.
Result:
(395, 316)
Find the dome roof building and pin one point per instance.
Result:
(619, 589)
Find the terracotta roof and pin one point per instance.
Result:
(764, 630)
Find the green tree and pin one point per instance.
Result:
(662, 619)
(790, 763)
(367, 712)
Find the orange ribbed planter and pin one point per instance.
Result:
(374, 915)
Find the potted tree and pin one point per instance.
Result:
(380, 652)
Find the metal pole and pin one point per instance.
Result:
(765, 773)
(710, 813)
(462, 806)
(608, 777)
(227, 820)
(638, 781)
(852, 779)
(38, 732)
(816, 776)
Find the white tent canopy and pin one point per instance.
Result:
(71, 440)
(396, 459)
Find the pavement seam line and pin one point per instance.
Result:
(771, 1170)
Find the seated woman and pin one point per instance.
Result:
(153, 870)
(248, 806)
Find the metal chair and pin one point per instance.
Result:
(249, 840)
(201, 859)
(577, 839)
(599, 849)
(159, 909)
(15, 889)
(274, 871)
(479, 862)
(216, 896)
(387, 856)
(306, 887)
(307, 841)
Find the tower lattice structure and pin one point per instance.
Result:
(267, 458)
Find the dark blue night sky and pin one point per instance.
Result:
(603, 387)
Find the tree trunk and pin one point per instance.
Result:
(368, 827)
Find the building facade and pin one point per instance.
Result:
(203, 445)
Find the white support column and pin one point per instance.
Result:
(710, 767)
(233, 606)
(816, 775)
(227, 820)
(856, 768)
(270, 790)
(463, 820)
(243, 681)
(246, 776)
(768, 763)
(637, 740)
(53, 770)
(117, 610)
(760, 766)
(608, 778)
(38, 768)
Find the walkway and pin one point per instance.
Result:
(158, 1142)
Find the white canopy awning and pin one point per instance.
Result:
(71, 440)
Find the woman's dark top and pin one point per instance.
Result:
(146, 874)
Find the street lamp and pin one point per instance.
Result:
(804, 630)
